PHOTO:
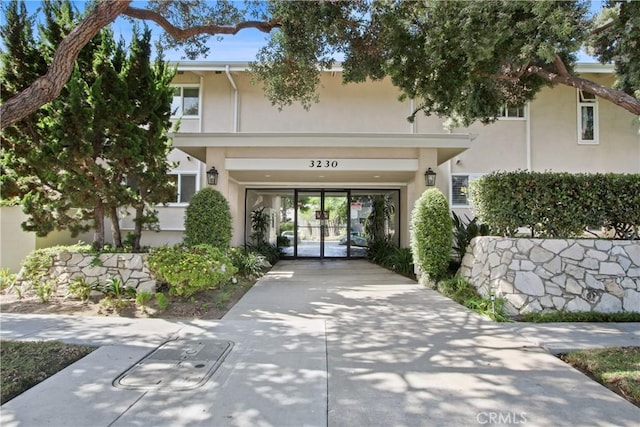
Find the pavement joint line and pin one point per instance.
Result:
(128, 409)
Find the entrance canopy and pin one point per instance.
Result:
(322, 157)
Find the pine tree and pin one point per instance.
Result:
(71, 158)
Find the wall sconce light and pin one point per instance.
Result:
(212, 176)
(429, 178)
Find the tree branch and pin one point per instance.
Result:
(604, 27)
(559, 63)
(619, 98)
(49, 86)
(181, 34)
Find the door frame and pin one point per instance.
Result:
(322, 194)
(322, 190)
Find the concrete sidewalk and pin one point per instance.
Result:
(338, 343)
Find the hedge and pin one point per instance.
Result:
(208, 220)
(558, 205)
(431, 235)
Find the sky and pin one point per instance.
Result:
(241, 47)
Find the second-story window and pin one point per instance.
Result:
(186, 101)
(511, 112)
(587, 118)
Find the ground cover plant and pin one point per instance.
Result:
(25, 364)
(462, 292)
(582, 316)
(617, 368)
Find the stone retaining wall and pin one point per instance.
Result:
(131, 269)
(553, 274)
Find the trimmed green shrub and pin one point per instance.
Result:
(208, 220)
(188, 270)
(558, 205)
(431, 235)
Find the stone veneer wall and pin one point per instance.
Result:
(131, 269)
(554, 274)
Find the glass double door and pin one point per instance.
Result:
(322, 224)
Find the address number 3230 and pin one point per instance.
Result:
(322, 164)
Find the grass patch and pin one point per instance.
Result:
(617, 368)
(462, 292)
(25, 364)
(583, 316)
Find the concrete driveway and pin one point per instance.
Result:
(337, 343)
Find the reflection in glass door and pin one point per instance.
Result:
(307, 225)
(321, 224)
(335, 236)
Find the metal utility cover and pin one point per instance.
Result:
(176, 365)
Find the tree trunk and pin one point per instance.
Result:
(115, 225)
(137, 230)
(98, 235)
(48, 87)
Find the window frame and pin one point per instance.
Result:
(179, 174)
(584, 102)
(470, 178)
(505, 111)
(182, 87)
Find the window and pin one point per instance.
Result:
(510, 112)
(186, 101)
(186, 185)
(587, 118)
(460, 188)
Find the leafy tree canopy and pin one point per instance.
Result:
(460, 59)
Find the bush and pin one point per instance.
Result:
(188, 270)
(79, 288)
(6, 279)
(464, 232)
(558, 205)
(402, 262)
(271, 252)
(208, 220)
(380, 251)
(249, 263)
(431, 235)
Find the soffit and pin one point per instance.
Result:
(447, 145)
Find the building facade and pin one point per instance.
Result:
(321, 179)
(318, 174)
